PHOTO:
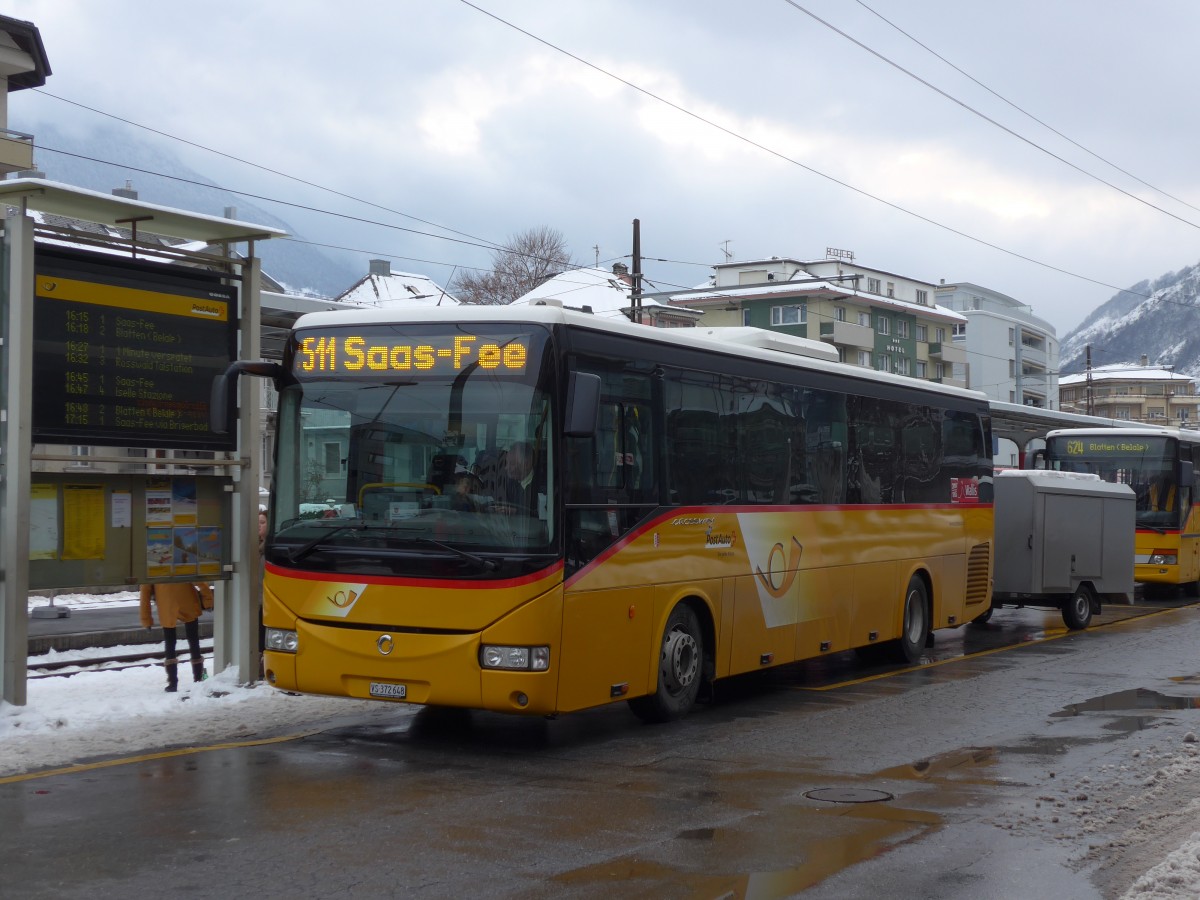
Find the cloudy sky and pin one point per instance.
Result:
(1047, 154)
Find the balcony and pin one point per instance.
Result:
(847, 334)
(947, 353)
(16, 151)
(950, 381)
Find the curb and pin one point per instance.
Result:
(88, 639)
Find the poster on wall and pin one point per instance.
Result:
(158, 502)
(43, 521)
(83, 521)
(183, 501)
(208, 544)
(159, 552)
(186, 558)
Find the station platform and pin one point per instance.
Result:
(87, 628)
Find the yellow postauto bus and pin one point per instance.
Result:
(1160, 465)
(534, 510)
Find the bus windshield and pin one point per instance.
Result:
(414, 450)
(1146, 464)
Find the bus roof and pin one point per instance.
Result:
(1183, 434)
(736, 341)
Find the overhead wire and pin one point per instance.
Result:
(984, 116)
(1023, 111)
(485, 244)
(791, 161)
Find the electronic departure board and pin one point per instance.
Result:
(125, 351)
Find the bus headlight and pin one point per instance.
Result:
(281, 641)
(535, 659)
(1164, 558)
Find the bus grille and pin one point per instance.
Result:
(978, 571)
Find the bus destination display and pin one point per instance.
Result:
(125, 354)
(355, 353)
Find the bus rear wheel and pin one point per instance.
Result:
(679, 670)
(908, 647)
(1077, 612)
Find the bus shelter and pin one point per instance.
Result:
(116, 314)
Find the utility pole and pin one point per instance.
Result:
(637, 272)
(1089, 380)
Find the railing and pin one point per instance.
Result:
(16, 151)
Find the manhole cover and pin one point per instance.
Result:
(848, 795)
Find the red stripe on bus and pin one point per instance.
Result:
(418, 582)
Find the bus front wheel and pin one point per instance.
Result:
(680, 664)
(911, 643)
(1077, 612)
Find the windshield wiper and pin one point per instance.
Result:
(309, 546)
(489, 565)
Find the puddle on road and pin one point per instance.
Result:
(855, 823)
(960, 765)
(875, 829)
(1122, 701)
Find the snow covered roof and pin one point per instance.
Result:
(380, 288)
(1122, 372)
(606, 293)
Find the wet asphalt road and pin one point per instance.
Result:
(1008, 765)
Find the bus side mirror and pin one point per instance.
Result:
(222, 386)
(583, 404)
(1035, 459)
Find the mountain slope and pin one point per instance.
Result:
(1159, 320)
(79, 160)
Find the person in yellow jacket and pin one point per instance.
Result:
(178, 601)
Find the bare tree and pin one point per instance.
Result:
(525, 261)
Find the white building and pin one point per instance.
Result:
(1012, 355)
(872, 318)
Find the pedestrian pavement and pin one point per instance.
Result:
(87, 628)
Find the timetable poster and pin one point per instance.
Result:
(83, 521)
(43, 521)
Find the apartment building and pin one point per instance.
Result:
(1013, 354)
(1141, 393)
(873, 318)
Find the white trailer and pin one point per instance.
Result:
(1064, 540)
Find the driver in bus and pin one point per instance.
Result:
(1162, 495)
(518, 490)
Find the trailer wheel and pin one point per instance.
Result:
(908, 647)
(1077, 612)
(679, 671)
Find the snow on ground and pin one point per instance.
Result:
(125, 712)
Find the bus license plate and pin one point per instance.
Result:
(390, 691)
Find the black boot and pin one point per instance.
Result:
(172, 676)
(198, 673)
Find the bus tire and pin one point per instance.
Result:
(984, 617)
(681, 662)
(1077, 612)
(915, 628)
